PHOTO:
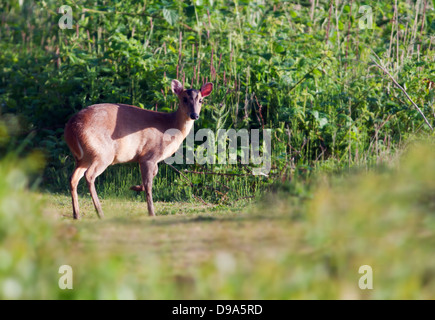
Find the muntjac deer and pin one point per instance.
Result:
(106, 134)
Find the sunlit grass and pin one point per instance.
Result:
(274, 248)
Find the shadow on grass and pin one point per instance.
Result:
(205, 219)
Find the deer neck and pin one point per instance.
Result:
(182, 123)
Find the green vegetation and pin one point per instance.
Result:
(349, 184)
(279, 250)
(304, 72)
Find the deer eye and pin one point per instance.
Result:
(200, 100)
(185, 100)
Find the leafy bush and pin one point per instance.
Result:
(288, 66)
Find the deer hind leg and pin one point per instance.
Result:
(148, 170)
(78, 173)
(96, 168)
(140, 187)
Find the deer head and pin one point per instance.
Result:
(191, 100)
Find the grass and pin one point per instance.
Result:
(338, 196)
(193, 239)
(305, 240)
(277, 248)
(186, 233)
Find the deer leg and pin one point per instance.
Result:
(78, 173)
(138, 188)
(156, 169)
(141, 187)
(148, 170)
(91, 174)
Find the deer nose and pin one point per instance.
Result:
(194, 116)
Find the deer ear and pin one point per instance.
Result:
(176, 87)
(206, 89)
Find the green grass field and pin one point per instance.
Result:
(281, 246)
(352, 179)
(276, 248)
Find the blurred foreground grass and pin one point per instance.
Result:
(277, 249)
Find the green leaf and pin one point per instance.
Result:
(278, 48)
(293, 14)
(266, 56)
(190, 11)
(172, 49)
(317, 72)
(170, 16)
(322, 122)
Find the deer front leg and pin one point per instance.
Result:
(148, 170)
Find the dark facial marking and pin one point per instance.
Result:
(192, 92)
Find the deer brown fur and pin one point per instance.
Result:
(106, 134)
